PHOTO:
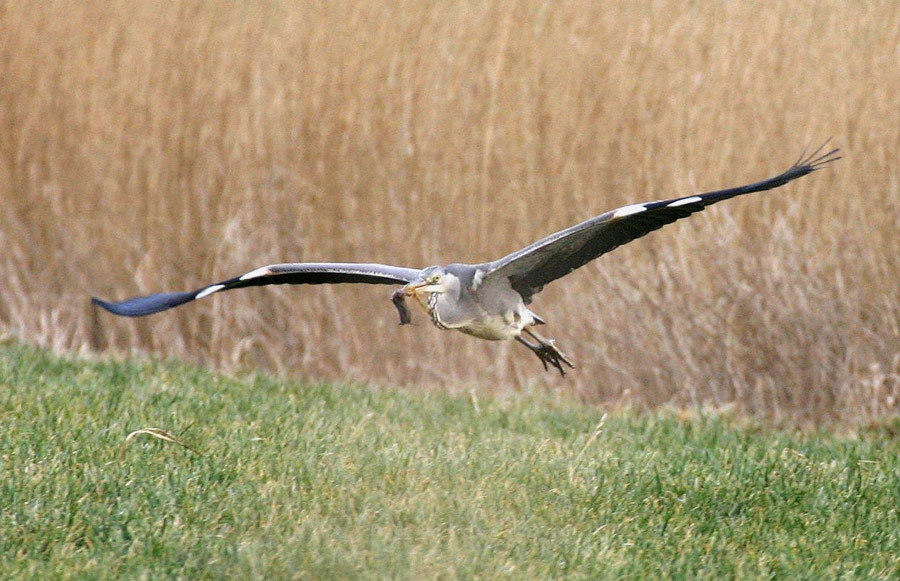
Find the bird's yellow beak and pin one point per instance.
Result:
(414, 289)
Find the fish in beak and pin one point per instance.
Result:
(398, 297)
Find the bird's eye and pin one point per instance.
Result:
(435, 279)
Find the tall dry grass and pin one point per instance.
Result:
(151, 146)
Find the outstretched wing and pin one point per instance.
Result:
(530, 268)
(296, 273)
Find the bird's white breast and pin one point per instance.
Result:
(499, 327)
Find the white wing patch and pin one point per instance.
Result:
(629, 210)
(685, 201)
(209, 290)
(476, 280)
(261, 271)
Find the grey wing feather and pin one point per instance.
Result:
(291, 273)
(555, 256)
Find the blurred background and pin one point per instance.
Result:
(150, 146)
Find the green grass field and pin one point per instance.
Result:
(322, 481)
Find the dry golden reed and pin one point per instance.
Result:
(150, 146)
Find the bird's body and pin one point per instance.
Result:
(488, 300)
(478, 305)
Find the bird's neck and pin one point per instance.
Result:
(431, 305)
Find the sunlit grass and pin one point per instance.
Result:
(313, 480)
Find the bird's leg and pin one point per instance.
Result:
(546, 352)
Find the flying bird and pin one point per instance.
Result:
(488, 300)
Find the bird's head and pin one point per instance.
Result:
(432, 280)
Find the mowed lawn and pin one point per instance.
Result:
(292, 480)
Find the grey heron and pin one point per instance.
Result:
(488, 300)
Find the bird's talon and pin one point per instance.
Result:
(548, 353)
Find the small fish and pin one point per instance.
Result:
(398, 297)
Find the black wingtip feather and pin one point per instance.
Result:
(817, 159)
(141, 306)
(805, 165)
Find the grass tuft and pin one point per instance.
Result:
(159, 434)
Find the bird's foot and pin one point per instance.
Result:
(547, 352)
